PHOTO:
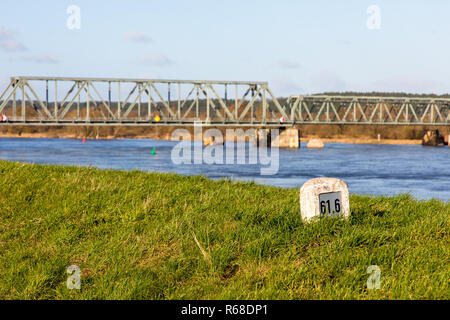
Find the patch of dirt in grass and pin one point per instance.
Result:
(151, 258)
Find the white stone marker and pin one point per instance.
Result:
(324, 197)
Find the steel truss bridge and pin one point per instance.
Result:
(108, 101)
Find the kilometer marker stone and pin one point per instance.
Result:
(324, 197)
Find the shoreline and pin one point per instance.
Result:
(370, 141)
(349, 140)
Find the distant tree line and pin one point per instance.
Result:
(384, 94)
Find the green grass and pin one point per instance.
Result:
(139, 235)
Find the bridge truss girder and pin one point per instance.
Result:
(368, 110)
(137, 102)
(141, 102)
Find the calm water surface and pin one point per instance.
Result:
(368, 169)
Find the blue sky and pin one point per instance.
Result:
(300, 47)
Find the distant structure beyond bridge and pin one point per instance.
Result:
(108, 101)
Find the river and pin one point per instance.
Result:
(369, 169)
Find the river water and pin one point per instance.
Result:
(372, 169)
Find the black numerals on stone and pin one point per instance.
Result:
(326, 207)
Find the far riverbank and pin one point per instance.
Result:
(354, 134)
(156, 137)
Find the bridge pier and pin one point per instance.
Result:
(433, 138)
(287, 138)
(262, 138)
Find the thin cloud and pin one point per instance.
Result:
(285, 86)
(43, 58)
(8, 41)
(137, 37)
(12, 45)
(6, 33)
(158, 60)
(344, 42)
(327, 81)
(288, 64)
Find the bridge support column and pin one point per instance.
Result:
(262, 138)
(288, 138)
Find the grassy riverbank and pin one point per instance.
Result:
(139, 235)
